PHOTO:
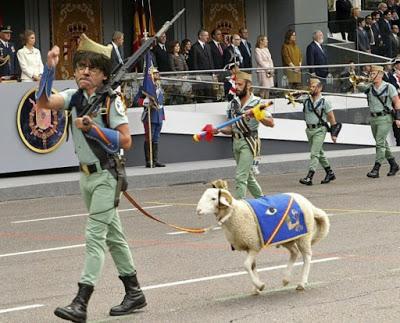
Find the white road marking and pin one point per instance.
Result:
(239, 273)
(20, 308)
(84, 214)
(41, 250)
(183, 232)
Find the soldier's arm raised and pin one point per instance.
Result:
(44, 98)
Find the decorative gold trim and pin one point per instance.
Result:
(21, 134)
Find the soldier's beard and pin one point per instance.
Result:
(241, 94)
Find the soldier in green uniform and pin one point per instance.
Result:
(246, 143)
(317, 111)
(384, 105)
(98, 183)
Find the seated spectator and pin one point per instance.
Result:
(176, 60)
(29, 58)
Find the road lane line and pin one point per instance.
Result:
(41, 250)
(239, 273)
(20, 308)
(84, 214)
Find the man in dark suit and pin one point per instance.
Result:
(386, 29)
(232, 53)
(245, 47)
(200, 56)
(378, 48)
(8, 54)
(161, 54)
(393, 77)
(217, 49)
(316, 55)
(394, 41)
(117, 54)
(362, 41)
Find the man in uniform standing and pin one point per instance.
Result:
(317, 111)
(100, 180)
(246, 143)
(384, 105)
(8, 54)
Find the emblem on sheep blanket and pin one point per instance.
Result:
(280, 218)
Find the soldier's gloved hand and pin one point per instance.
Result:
(398, 123)
(84, 123)
(334, 139)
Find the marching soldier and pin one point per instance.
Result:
(317, 111)
(8, 54)
(102, 172)
(384, 105)
(246, 143)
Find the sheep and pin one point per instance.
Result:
(241, 229)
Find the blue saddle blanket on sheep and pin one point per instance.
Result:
(280, 218)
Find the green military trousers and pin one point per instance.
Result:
(244, 177)
(316, 139)
(380, 127)
(103, 228)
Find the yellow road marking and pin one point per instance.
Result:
(363, 211)
(173, 204)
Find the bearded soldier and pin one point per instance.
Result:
(384, 105)
(246, 143)
(317, 111)
(98, 138)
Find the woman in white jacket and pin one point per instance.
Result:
(29, 58)
(264, 60)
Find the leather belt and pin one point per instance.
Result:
(378, 114)
(89, 169)
(314, 126)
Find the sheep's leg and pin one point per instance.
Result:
(305, 249)
(294, 251)
(250, 266)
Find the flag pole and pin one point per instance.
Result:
(149, 133)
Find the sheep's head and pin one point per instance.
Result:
(215, 201)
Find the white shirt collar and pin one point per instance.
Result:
(201, 43)
(4, 42)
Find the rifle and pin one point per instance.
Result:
(121, 70)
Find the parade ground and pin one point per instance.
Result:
(354, 274)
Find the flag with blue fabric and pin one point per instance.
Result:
(149, 88)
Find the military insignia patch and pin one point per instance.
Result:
(119, 106)
(41, 130)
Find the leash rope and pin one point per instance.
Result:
(144, 212)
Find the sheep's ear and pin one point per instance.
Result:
(225, 199)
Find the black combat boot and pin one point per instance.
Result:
(147, 154)
(374, 173)
(156, 163)
(76, 311)
(330, 176)
(308, 179)
(134, 297)
(394, 167)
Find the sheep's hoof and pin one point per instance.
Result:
(261, 287)
(300, 288)
(256, 291)
(285, 282)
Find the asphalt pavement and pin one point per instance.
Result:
(197, 278)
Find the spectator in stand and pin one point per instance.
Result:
(117, 54)
(186, 45)
(316, 55)
(343, 14)
(391, 5)
(394, 79)
(368, 30)
(386, 30)
(395, 41)
(8, 58)
(382, 7)
(29, 58)
(353, 24)
(245, 47)
(264, 60)
(379, 47)
(365, 70)
(232, 53)
(217, 48)
(291, 56)
(395, 18)
(362, 41)
(161, 54)
(200, 57)
(176, 59)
